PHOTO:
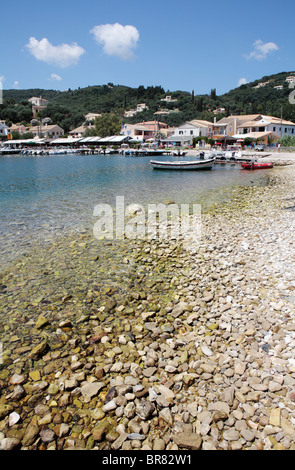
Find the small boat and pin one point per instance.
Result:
(183, 165)
(256, 165)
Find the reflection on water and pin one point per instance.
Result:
(43, 197)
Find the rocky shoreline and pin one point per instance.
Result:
(156, 345)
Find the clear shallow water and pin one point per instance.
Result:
(44, 197)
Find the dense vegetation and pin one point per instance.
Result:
(13, 112)
(68, 108)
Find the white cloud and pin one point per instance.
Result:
(56, 77)
(242, 81)
(261, 50)
(117, 40)
(15, 84)
(62, 55)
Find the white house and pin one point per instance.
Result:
(139, 108)
(195, 128)
(91, 116)
(38, 103)
(266, 124)
(4, 130)
(169, 99)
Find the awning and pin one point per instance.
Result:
(253, 135)
(19, 142)
(177, 138)
(68, 141)
(90, 140)
(224, 138)
(113, 139)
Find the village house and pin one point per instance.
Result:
(80, 131)
(265, 128)
(38, 104)
(139, 108)
(164, 111)
(225, 129)
(90, 117)
(52, 131)
(169, 99)
(261, 84)
(194, 128)
(184, 134)
(18, 128)
(4, 129)
(219, 111)
(143, 130)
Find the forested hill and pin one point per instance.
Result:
(68, 108)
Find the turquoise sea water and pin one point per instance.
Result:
(44, 197)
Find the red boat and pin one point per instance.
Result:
(256, 166)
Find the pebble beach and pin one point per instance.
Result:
(157, 345)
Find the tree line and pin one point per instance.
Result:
(68, 108)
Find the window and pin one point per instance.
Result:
(274, 129)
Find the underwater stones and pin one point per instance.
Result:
(41, 322)
(39, 350)
(31, 433)
(202, 359)
(17, 379)
(90, 390)
(13, 419)
(5, 410)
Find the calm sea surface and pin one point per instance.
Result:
(44, 197)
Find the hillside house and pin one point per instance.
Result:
(139, 108)
(169, 99)
(80, 131)
(91, 117)
(38, 104)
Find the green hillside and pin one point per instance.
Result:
(68, 108)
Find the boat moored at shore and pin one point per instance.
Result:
(257, 165)
(184, 165)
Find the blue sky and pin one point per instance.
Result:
(180, 45)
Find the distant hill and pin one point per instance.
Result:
(68, 108)
(262, 97)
